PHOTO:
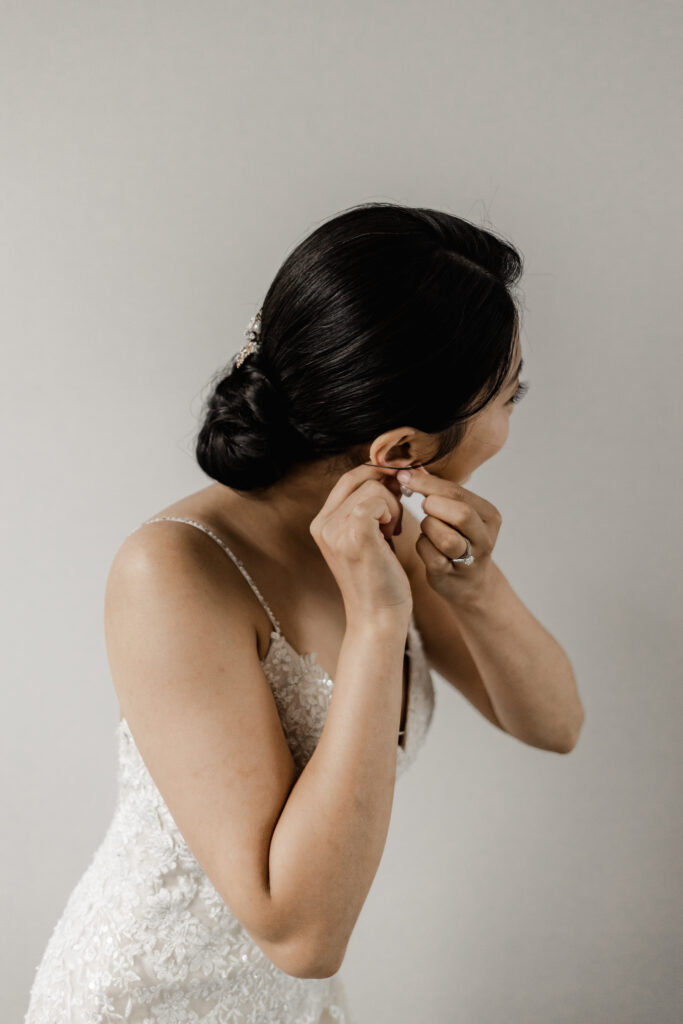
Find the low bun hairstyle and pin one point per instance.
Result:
(384, 316)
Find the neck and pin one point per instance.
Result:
(281, 516)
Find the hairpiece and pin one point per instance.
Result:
(252, 335)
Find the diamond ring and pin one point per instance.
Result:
(465, 559)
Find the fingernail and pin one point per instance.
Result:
(403, 475)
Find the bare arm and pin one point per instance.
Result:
(485, 638)
(527, 674)
(292, 857)
(330, 837)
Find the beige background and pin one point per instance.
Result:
(159, 161)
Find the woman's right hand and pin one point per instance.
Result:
(353, 530)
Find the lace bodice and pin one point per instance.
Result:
(145, 938)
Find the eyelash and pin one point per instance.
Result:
(519, 394)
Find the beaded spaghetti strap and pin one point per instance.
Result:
(240, 565)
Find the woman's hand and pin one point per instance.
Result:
(353, 530)
(454, 515)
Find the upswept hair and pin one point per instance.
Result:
(383, 316)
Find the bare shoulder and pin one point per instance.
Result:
(169, 568)
(156, 535)
(158, 539)
(152, 542)
(183, 657)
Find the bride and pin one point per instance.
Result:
(271, 636)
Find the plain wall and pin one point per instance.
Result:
(158, 163)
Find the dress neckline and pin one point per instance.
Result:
(310, 658)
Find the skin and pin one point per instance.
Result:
(502, 661)
(271, 534)
(282, 519)
(485, 642)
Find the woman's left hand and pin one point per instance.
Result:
(454, 514)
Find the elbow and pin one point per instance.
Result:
(321, 964)
(571, 738)
(301, 952)
(317, 970)
(312, 951)
(308, 960)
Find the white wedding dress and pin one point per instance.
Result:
(144, 937)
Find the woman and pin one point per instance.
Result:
(269, 699)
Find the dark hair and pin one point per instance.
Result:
(385, 315)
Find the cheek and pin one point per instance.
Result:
(502, 429)
(490, 436)
(483, 439)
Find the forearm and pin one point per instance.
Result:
(527, 675)
(329, 839)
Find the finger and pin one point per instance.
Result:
(427, 483)
(392, 484)
(456, 514)
(449, 542)
(350, 481)
(375, 507)
(376, 491)
(435, 561)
